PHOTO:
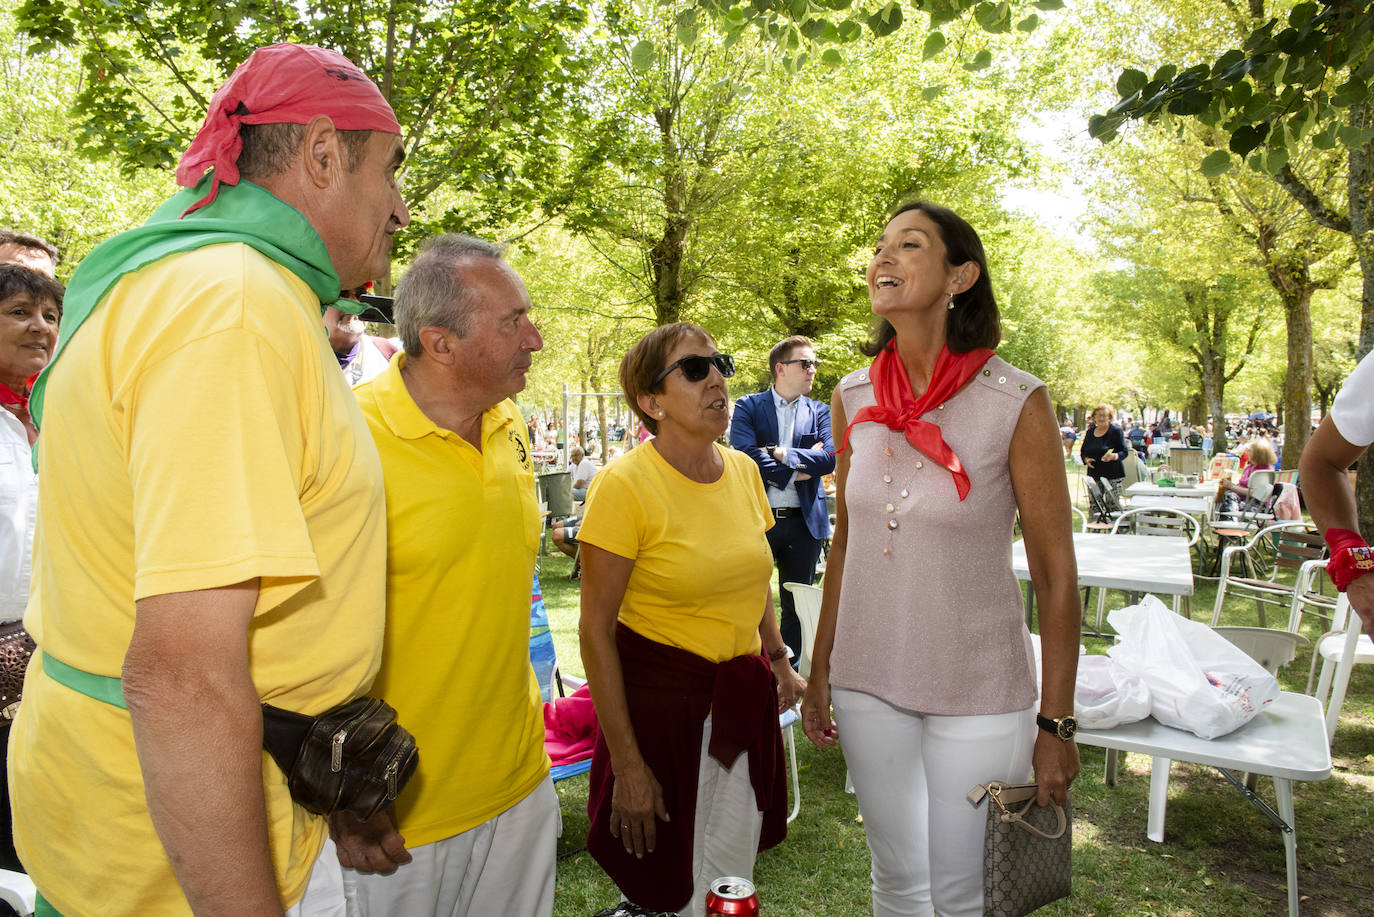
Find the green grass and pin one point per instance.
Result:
(1221, 857)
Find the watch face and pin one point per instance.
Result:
(1068, 727)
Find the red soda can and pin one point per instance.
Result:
(733, 896)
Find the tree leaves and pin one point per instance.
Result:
(643, 55)
(1216, 163)
(934, 44)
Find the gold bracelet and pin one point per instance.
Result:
(779, 653)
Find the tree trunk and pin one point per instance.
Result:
(1297, 383)
(1360, 192)
(582, 418)
(669, 252)
(603, 428)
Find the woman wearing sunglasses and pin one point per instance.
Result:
(921, 645)
(680, 643)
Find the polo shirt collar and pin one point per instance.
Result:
(404, 416)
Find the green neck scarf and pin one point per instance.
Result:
(243, 213)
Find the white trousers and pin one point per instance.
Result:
(324, 893)
(503, 866)
(912, 773)
(725, 834)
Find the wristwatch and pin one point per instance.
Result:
(1065, 727)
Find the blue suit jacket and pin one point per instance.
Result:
(754, 426)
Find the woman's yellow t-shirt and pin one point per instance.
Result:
(702, 564)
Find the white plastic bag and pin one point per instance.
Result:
(1108, 695)
(1198, 680)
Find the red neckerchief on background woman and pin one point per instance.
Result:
(899, 409)
(18, 405)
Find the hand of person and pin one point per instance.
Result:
(1360, 592)
(790, 684)
(1109, 456)
(779, 454)
(802, 476)
(1090, 462)
(369, 846)
(1056, 765)
(635, 802)
(815, 713)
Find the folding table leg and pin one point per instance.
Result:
(1283, 790)
(1159, 798)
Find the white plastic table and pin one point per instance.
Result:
(1131, 563)
(1286, 741)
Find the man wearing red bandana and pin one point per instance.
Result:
(1343, 436)
(212, 531)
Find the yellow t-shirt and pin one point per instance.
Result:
(462, 532)
(702, 564)
(198, 433)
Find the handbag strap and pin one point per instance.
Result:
(1018, 818)
(97, 687)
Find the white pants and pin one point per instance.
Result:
(911, 773)
(324, 893)
(503, 866)
(725, 834)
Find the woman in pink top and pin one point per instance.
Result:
(922, 646)
(1262, 458)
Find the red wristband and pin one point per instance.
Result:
(1350, 559)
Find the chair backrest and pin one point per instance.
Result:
(1159, 521)
(1261, 485)
(1271, 648)
(1136, 470)
(807, 602)
(1095, 504)
(1293, 547)
(1222, 466)
(1185, 460)
(1287, 476)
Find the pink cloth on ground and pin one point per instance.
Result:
(570, 727)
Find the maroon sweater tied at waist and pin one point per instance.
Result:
(670, 692)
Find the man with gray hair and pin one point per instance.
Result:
(480, 817)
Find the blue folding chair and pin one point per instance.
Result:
(544, 661)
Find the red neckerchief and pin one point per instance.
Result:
(18, 405)
(899, 409)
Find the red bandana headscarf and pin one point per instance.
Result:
(899, 409)
(281, 84)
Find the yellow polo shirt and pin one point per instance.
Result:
(198, 433)
(462, 532)
(702, 563)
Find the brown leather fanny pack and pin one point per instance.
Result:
(352, 758)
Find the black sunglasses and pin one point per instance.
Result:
(696, 367)
(807, 365)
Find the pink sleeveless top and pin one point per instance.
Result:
(936, 624)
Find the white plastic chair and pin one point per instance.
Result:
(807, 602)
(18, 891)
(1347, 646)
(1271, 648)
(1160, 522)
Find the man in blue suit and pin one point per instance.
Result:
(788, 436)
